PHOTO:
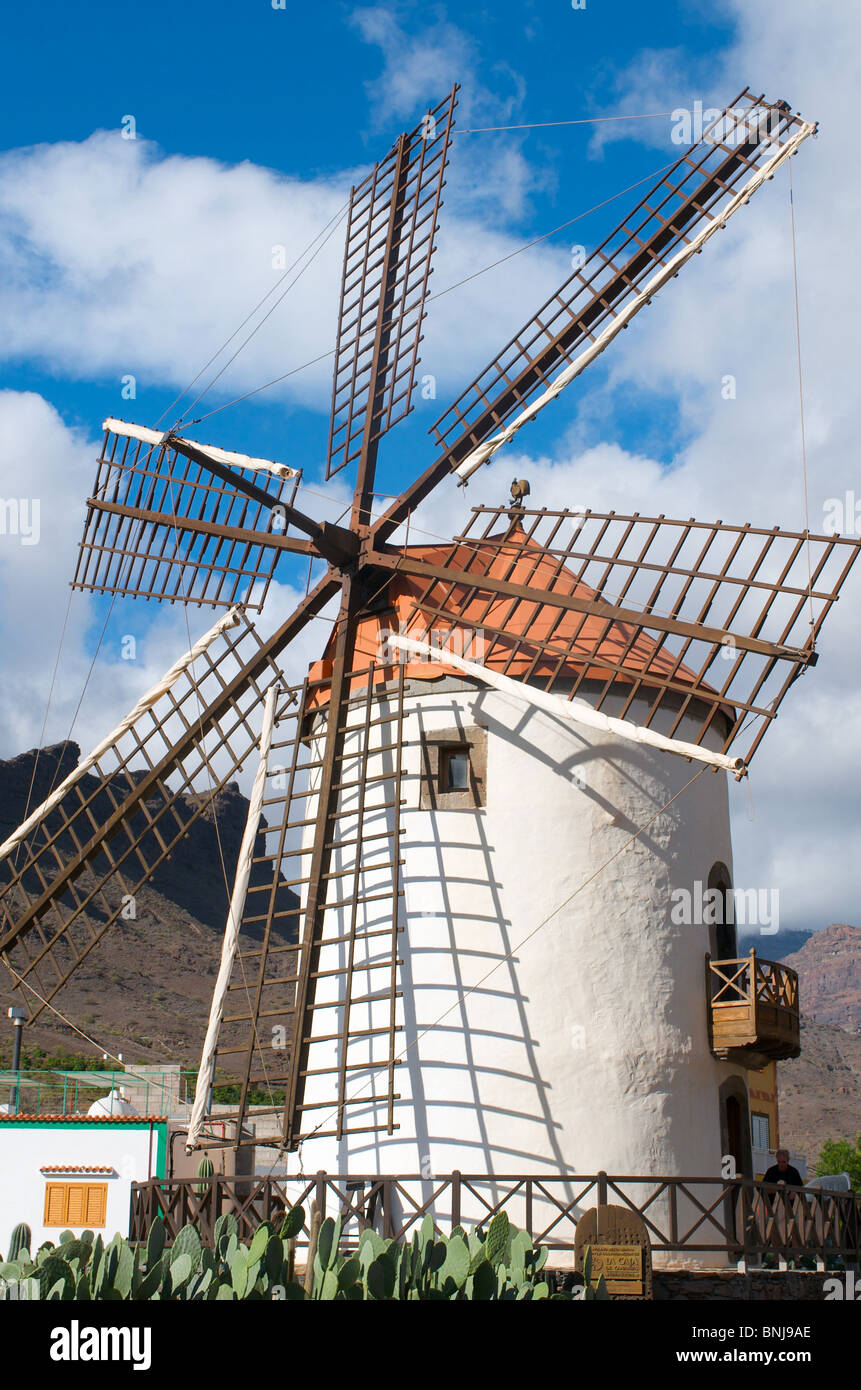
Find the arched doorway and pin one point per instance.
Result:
(735, 1126)
(723, 940)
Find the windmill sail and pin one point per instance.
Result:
(684, 207)
(69, 872)
(687, 618)
(391, 236)
(234, 919)
(175, 521)
(688, 202)
(314, 1024)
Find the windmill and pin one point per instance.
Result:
(674, 639)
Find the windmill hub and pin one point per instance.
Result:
(338, 545)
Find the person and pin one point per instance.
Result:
(783, 1171)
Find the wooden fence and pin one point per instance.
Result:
(738, 1217)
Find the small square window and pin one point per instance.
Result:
(760, 1131)
(454, 770)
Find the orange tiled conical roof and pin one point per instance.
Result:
(512, 628)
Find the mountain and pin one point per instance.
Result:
(777, 947)
(828, 966)
(145, 989)
(820, 1091)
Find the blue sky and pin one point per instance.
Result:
(287, 88)
(297, 91)
(121, 257)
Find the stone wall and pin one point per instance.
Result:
(776, 1285)
(786, 1286)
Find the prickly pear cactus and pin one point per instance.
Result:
(499, 1264)
(204, 1170)
(21, 1239)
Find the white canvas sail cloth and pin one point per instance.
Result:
(146, 702)
(231, 931)
(484, 452)
(573, 710)
(217, 455)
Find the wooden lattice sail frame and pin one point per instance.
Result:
(173, 519)
(683, 617)
(688, 619)
(109, 826)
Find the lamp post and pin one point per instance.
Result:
(17, 1016)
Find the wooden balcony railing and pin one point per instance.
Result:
(753, 1010)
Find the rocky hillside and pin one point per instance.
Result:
(820, 1091)
(144, 990)
(828, 966)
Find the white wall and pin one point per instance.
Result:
(587, 1048)
(25, 1147)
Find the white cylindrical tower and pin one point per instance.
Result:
(553, 1015)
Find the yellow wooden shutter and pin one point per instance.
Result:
(75, 1206)
(55, 1204)
(96, 1203)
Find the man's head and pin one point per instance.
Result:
(782, 1157)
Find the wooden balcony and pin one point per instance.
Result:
(753, 1010)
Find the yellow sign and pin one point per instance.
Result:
(621, 1266)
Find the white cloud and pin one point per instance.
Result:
(658, 80)
(45, 461)
(493, 177)
(418, 68)
(154, 261)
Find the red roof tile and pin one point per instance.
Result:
(86, 1119)
(608, 648)
(74, 1168)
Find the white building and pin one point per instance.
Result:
(75, 1172)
